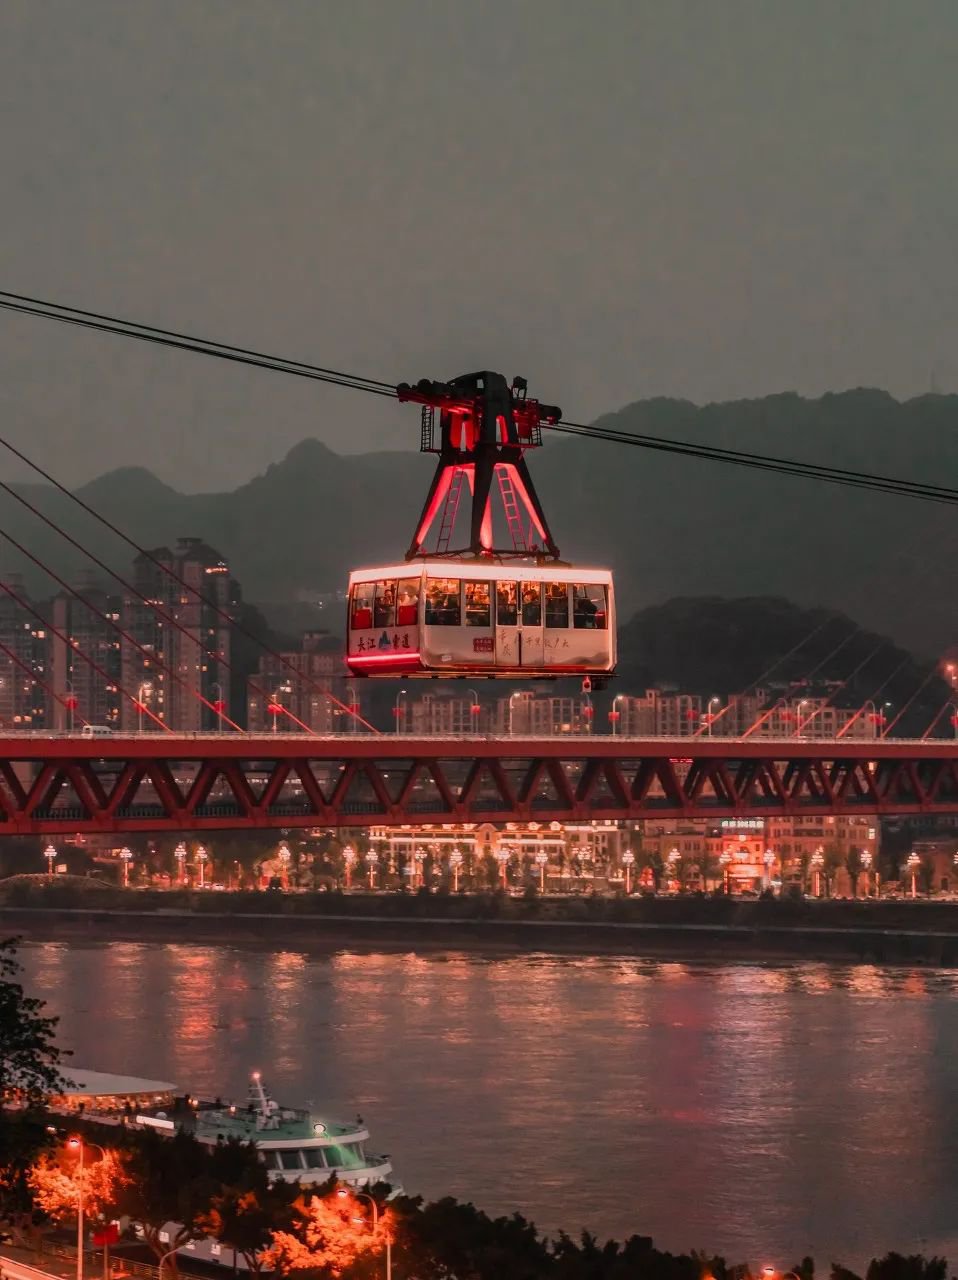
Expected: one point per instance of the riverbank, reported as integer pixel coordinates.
(702, 928)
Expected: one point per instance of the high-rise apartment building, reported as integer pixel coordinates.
(23, 660)
(84, 659)
(295, 691)
(192, 693)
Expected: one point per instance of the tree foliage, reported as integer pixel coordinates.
(29, 1057)
(330, 1232)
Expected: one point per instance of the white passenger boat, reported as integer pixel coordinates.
(295, 1145)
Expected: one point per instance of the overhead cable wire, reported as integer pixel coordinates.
(98, 321)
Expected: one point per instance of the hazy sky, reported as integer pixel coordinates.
(617, 198)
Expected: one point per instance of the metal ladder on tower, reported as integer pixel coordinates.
(450, 510)
(511, 509)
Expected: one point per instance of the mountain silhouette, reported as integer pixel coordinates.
(668, 526)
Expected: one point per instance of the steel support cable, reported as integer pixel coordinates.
(780, 702)
(201, 346)
(932, 671)
(150, 604)
(122, 632)
(98, 321)
(871, 699)
(37, 679)
(830, 700)
(181, 581)
(764, 462)
(25, 604)
(757, 684)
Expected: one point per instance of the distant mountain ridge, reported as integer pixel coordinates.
(668, 526)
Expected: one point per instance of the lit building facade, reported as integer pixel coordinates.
(23, 661)
(295, 691)
(79, 693)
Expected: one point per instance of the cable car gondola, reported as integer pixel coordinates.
(481, 610)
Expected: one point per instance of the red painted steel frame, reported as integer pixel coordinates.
(154, 783)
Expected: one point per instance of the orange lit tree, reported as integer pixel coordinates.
(57, 1181)
(330, 1233)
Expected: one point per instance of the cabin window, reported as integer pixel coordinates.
(407, 602)
(442, 602)
(506, 614)
(290, 1159)
(384, 613)
(314, 1158)
(557, 604)
(362, 616)
(478, 604)
(531, 604)
(589, 607)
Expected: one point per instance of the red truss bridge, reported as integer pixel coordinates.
(156, 782)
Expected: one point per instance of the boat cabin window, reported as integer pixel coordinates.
(314, 1158)
(557, 604)
(589, 610)
(506, 614)
(407, 602)
(442, 602)
(531, 604)
(362, 612)
(478, 604)
(290, 1158)
(384, 611)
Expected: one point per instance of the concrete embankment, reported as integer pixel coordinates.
(747, 937)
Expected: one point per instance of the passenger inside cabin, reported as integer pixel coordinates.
(477, 604)
(531, 604)
(506, 614)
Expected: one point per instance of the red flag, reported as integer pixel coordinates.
(108, 1234)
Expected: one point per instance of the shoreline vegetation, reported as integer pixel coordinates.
(863, 931)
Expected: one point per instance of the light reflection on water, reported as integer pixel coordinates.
(763, 1111)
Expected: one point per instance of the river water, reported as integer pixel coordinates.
(762, 1111)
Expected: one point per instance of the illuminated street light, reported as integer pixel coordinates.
(502, 857)
(769, 860)
(615, 715)
(475, 710)
(419, 860)
(913, 862)
(455, 862)
(818, 861)
(202, 857)
(372, 857)
(867, 866)
(542, 860)
(343, 1192)
(179, 853)
(51, 856)
(628, 860)
(399, 711)
(724, 859)
(708, 714)
(126, 854)
(79, 1145)
(349, 857)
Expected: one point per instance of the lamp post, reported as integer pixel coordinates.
(867, 867)
(708, 714)
(399, 711)
(512, 698)
(502, 857)
(343, 1192)
(179, 853)
(372, 857)
(954, 717)
(126, 855)
(143, 694)
(628, 861)
(818, 861)
(219, 706)
(587, 712)
(455, 862)
(51, 856)
(79, 1145)
(724, 859)
(419, 861)
(70, 702)
(542, 861)
(353, 707)
(202, 857)
(913, 862)
(349, 857)
(475, 710)
(769, 860)
(615, 715)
